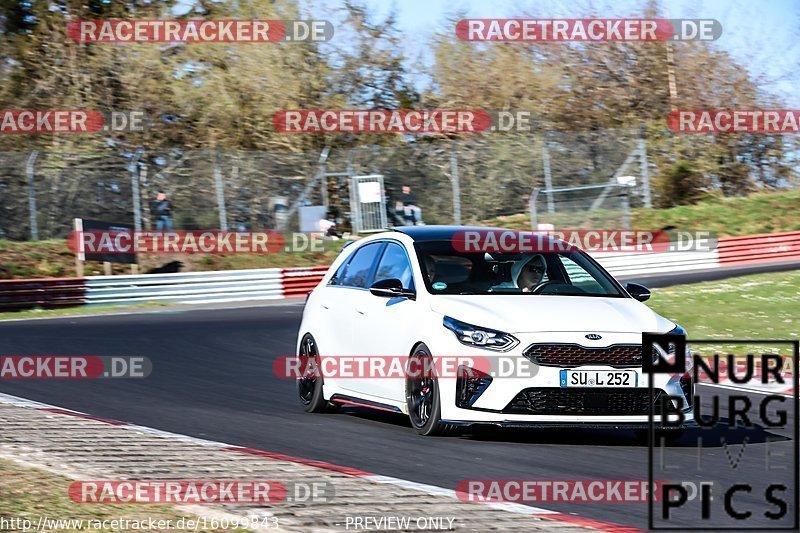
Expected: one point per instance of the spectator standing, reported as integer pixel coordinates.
(161, 210)
(411, 211)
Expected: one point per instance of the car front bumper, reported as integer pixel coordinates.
(519, 374)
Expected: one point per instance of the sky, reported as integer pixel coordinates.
(763, 35)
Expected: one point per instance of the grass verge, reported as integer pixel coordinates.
(761, 306)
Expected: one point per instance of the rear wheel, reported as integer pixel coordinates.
(309, 385)
(423, 398)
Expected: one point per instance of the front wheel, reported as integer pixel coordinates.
(423, 398)
(309, 385)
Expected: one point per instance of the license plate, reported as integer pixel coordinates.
(599, 378)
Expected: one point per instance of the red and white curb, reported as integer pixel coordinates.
(323, 465)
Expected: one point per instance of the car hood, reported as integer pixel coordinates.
(538, 313)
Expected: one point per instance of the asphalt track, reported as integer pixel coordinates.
(212, 378)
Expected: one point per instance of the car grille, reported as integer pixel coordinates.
(599, 401)
(572, 355)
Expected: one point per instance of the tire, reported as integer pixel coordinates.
(309, 389)
(424, 401)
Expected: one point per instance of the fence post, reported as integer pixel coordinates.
(323, 157)
(548, 177)
(456, 184)
(137, 202)
(532, 208)
(626, 208)
(223, 216)
(32, 195)
(646, 199)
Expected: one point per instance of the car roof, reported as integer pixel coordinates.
(445, 233)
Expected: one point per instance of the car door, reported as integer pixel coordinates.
(352, 287)
(386, 325)
(331, 321)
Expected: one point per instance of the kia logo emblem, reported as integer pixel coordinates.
(593, 337)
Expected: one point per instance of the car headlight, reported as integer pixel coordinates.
(670, 355)
(677, 331)
(479, 337)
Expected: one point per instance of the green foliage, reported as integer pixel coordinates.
(765, 212)
(204, 97)
(680, 184)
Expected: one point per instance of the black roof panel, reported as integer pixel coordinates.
(441, 233)
(431, 233)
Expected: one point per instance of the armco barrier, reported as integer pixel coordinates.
(204, 287)
(278, 283)
(754, 249)
(300, 281)
(17, 295)
(730, 252)
(644, 264)
(188, 287)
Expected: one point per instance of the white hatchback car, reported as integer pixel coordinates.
(411, 294)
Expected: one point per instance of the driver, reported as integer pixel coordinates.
(430, 267)
(527, 274)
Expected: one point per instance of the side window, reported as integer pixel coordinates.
(336, 279)
(356, 272)
(395, 264)
(580, 278)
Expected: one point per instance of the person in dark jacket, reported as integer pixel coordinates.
(161, 210)
(411, 211)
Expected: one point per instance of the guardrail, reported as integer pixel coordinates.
(204, 287)
(279, 283)
(300, 281)
(189, 287)
(21, 294)
(648, 263)
(754, 249)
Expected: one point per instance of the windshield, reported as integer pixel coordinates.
(571, 273)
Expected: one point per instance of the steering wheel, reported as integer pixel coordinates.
(540, 287)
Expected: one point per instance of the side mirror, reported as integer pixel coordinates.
(391, 288)
(639, 292)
